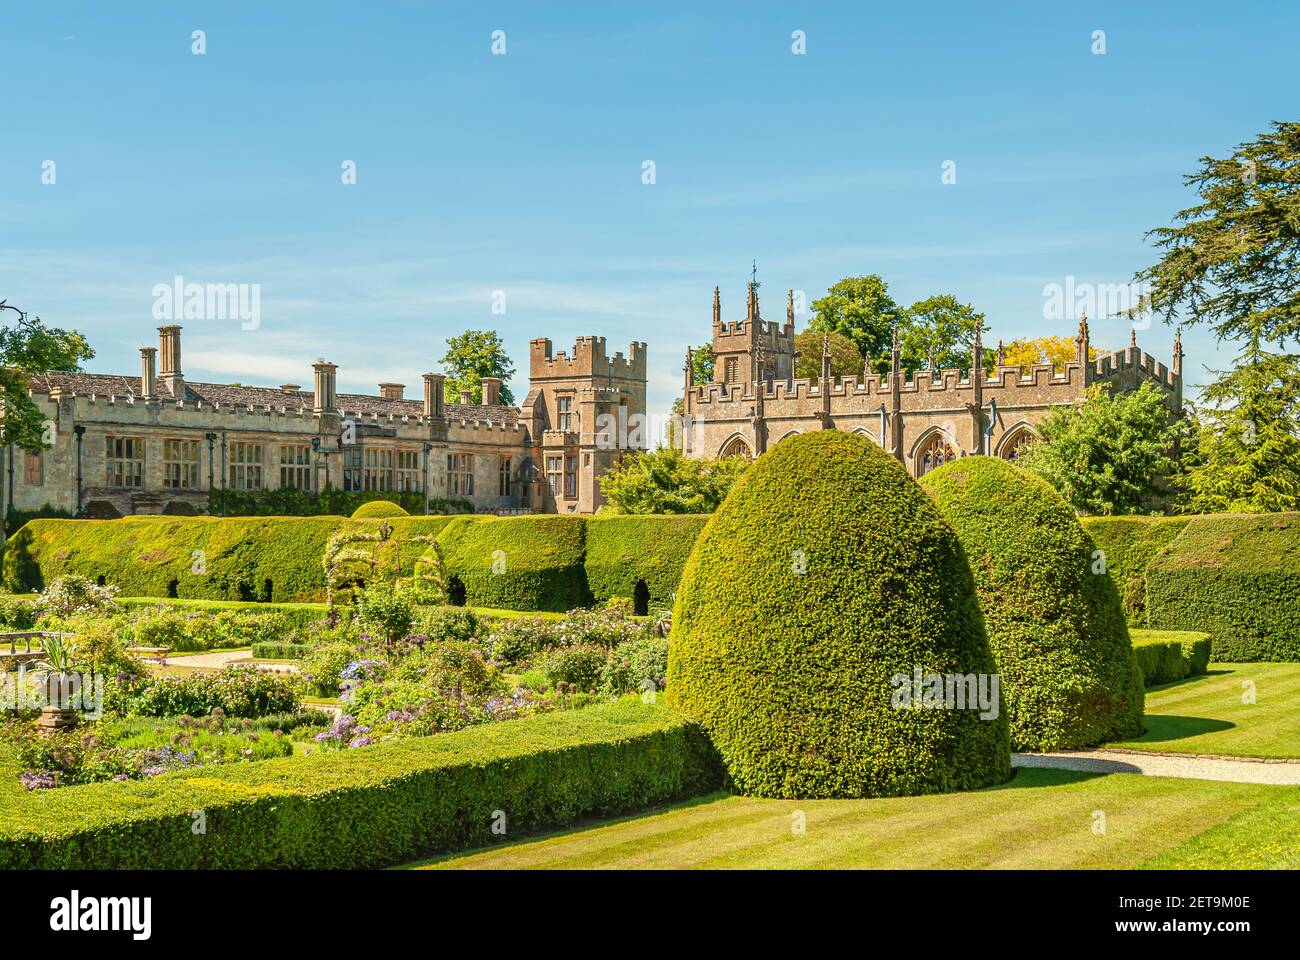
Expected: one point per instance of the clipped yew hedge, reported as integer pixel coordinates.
(517, 563)
(824, 576)
(1168, 655)
(625, 550)
(369, 807)
(1236, 577)
(1053, 617)
(545, 563)
(273, 559)
(1128, 544)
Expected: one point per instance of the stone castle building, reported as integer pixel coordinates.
(158, 443)
(935, 416)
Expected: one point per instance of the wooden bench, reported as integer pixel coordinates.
(159, 652)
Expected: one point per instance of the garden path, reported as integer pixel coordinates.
(1235, 770)
(218, 659)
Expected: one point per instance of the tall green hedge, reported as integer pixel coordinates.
(1053, 616)
(1168, 655)
(517, 563)
(369, 807)
(215, 558)
(550, 563)
(1236, 577)
(1128, 544)
(821, 585)
(622, 550)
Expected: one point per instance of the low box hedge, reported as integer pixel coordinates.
(623, 551)
(1168, 655)
(370, 807)
(1128, 544)
(1237, 577)
(280, 651)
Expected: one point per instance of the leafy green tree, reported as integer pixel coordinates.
(470, 357)
(1247, 451)
(667, 481)
(1232, 262)
(937, 334)
(702, 363)
(1108, 454)
(846, 359)
(861, 309)
(29, 347)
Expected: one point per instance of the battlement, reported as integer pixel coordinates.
(1137, 364)
(589, 359)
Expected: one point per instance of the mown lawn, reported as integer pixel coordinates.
(1210, 714)
(1042, 819)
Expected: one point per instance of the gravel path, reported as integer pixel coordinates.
(1282, 773)
(222, 658)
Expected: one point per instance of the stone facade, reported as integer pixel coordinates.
(924, 421)
(158, 443)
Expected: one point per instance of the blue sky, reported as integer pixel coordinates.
(523, 172)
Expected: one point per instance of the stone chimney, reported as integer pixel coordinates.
(491, 391)
(326, 400)
(148, 373)
(392, 391)
(290, 387)
(464, 396)
(434, 385)
(169, 358)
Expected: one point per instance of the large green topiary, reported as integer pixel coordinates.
(796, 675)
(378, 509)
(1052, 612)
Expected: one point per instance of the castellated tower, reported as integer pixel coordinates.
(752, 349)
(583, 412)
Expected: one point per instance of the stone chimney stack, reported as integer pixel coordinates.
(326, 399)
(148, 373)
(492, 391)
(464, 396)
(392, 391)
(434, 385)
(169, 357)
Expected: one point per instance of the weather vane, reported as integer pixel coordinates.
(753, 276)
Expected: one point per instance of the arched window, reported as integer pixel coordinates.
(1013, 445)
(934, 453)
(735, 447)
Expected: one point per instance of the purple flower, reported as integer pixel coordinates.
(360, 742)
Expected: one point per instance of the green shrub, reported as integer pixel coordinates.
(323, 666)
(1236, 577)
(1161, 661)
(377, 509)
(18, 613)
(1167, 655)
(623, 551)
(822, 582)
(451, 623)
(1054, 619)
(636, 666)
(161, 628)
(238, 691)
(383, 612)
(517, 563)
(290, 502)
(293, 616)
(280, 651)
(1127, 545)
(371, 807)
(579, 665)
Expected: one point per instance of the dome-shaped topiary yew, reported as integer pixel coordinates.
(378, 509)
(1053, 615)
(820, 605)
